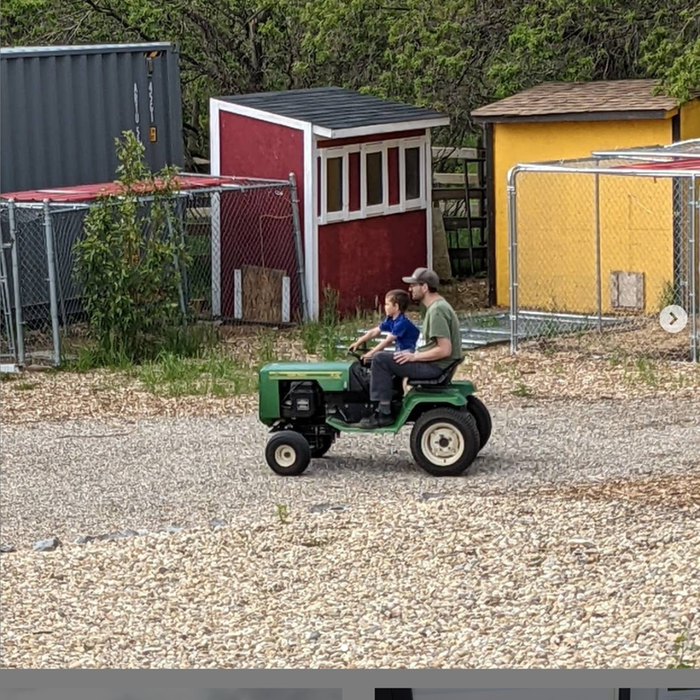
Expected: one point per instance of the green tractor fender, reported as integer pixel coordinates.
(415, 403)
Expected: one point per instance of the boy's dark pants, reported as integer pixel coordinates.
(385, 368)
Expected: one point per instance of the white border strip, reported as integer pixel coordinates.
(310, 222)
(382, 128)
(237, 294)
(259, 114)
(286, 299)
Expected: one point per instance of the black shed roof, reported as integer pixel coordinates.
(337, 109)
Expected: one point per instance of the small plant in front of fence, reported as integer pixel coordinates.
(129, 264)
(682, 647)
(522, 390)
(283, 513)
(667, 296)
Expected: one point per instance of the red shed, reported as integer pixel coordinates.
(363, 167)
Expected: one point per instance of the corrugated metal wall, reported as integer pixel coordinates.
(62, 107)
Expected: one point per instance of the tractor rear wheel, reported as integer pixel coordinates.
(445, 441)
(482, 417)
(288, 453)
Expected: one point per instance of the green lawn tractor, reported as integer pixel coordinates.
(307, 405)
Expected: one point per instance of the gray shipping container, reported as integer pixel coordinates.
(61, 107)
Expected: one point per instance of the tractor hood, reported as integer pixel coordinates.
(330, 377)
(281, 371)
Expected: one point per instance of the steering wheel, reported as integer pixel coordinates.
(359, 352)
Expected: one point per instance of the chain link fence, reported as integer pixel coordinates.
(243, 264)
(598, 249)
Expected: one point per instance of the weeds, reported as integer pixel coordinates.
(27, 386)
(645, 372)
(311, 336)
(486, 321)
(668, 296)
(681, 648)
(283, 513)
(323, 337)
(522, 390)
(214, 374)
(266, 347)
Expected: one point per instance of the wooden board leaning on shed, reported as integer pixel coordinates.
(262, 294)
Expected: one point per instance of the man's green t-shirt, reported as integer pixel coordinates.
(441, 321)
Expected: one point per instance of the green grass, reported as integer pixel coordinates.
(522, 390)
(310, 334)
(645, 372)
(211, 375)
(26, 386)
(485, 321)
(323, 337)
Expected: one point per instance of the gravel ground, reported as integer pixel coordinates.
(572, 542)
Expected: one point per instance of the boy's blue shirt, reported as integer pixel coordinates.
(403, 330)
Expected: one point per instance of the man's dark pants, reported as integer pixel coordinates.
(385, 368)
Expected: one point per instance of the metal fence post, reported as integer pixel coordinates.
(215, 254)
(178, 266)
(598, 291)
(513, 259)
(297, 245)
(19, 322)
(6, 303)
(51, 264)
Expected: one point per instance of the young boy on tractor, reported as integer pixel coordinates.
(397, 325)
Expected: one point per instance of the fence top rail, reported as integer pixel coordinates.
(187, 183)
(648, 154)
(649, 170)
(679, 149)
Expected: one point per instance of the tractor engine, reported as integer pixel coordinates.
(301, 400)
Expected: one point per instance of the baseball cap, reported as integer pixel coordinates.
(422, 275)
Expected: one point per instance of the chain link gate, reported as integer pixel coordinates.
(598, 248)
(242, 239)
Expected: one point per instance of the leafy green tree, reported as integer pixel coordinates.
(453, 55)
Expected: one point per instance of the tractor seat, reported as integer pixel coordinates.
(444, 379)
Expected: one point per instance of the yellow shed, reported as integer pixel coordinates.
(557, 121)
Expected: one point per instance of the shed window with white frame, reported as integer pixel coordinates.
(387, 177)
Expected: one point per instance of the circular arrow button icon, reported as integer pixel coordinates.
(673, 319)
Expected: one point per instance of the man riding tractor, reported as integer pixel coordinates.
(442, 348)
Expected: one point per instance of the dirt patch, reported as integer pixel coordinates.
(674, 491)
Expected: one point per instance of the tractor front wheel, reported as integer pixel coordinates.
(445, 441)
(288, 453)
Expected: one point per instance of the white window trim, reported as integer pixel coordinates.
(421, 201)
(666, 694)
(368, 149)
(326, 216)
(383, 209)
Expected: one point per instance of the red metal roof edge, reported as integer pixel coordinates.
(677, 164)
(88, 193)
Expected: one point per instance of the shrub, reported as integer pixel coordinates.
(129, 262)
